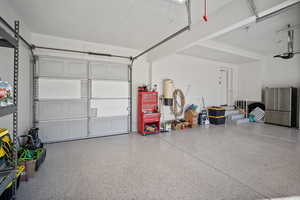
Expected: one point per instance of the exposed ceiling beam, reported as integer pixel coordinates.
(230, 49)
(280, 8)
(217, 26)
(202, 30)
(221, 32)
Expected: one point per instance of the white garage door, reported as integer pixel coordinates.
(109, 98)
(77, 99)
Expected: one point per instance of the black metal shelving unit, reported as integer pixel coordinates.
(7, 40)
(7, 110)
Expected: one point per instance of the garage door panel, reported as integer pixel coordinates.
(53, 131)
(75, 69)
(84, 88)
(108, 126)
(109, 71)
(110, 89)
(109, 99)
(50, 68)
(62, 68)
(51, 110)
(109, 107)
(59, 89)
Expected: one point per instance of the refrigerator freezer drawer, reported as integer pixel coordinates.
(277, 117)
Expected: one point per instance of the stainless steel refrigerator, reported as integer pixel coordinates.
(298, 120)
(281, 106)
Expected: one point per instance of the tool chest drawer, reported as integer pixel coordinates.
(151, 117)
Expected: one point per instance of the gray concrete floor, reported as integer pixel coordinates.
(249, 161)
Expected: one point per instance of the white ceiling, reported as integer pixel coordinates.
(216, 55)
(139, 24)
(262, 5)
(128, 23)
(263, 37)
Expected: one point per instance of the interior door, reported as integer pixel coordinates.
(223, 86)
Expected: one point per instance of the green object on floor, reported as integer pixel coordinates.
(26, 154)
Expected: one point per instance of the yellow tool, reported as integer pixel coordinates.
(5, 144)
(3, 132)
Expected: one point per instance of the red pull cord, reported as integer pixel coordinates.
(205, 18)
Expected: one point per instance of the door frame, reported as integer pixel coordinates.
(229, 84)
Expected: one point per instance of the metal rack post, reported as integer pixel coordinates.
(34, 90)
(15, 101)
(89, 98)
(131, 96)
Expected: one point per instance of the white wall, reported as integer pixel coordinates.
(6, 72)
(269, 72)
(279, 72)
(196, 77)
(140, 68)
(250, 81)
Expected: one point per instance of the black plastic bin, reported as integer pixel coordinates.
(216, 111)
(217, 120)
(40, 160)
(7, 194)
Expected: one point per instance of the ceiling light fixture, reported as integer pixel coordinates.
(178, 1)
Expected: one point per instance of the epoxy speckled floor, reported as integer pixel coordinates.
(249, 161)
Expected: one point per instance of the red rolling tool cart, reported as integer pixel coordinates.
(148, 115)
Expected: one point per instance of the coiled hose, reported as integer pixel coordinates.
(178, 106)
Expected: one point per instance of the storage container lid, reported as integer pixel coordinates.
(216, 108)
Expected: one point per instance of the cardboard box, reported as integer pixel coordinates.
(180, 125)
(191, 116)
(176, 126)
(23, 177)
(30, 168)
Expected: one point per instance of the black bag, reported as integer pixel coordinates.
(33, 141)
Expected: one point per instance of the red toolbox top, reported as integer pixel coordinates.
(148, 102)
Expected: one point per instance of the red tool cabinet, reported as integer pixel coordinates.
(148, 115)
